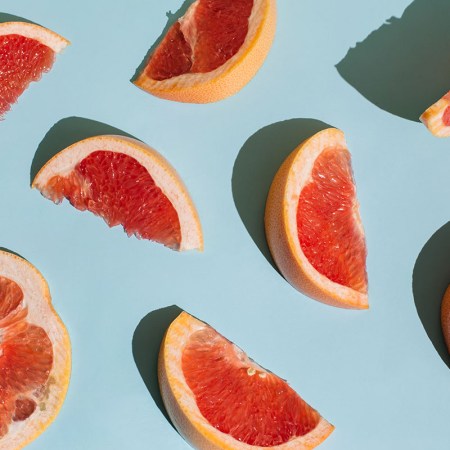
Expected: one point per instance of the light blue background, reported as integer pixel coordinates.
(375, 375)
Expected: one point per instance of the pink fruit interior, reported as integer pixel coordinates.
(22, 60)
(240, 398)
(119, 189)
(210, 38)
(327, 220)
(26, 358)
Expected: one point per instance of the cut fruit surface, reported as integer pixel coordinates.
(212, 51)
(437, 117)
(126, 183)
(445, 317)
(35, 355)
(218, 398)
(313, 226)
(26, 52)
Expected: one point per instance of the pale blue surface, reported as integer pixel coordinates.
(375, 375)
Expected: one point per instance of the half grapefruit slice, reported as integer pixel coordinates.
(212, 52)
(218, 398)
(437, 117)
(26, 52)
(35, 357)
(126, 183)
(313, 226)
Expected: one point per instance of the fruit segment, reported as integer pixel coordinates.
(445, 317)
(313, 225)
(126, 183)
(437, 117)
(211, 52)
(218, 398)
(27, 51)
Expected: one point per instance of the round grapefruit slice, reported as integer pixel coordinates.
(35, 357)
(126, 183)
(437, 117)
(218, 398)
(26, 52)
(212, 52)
(313, 226)
(445, 317)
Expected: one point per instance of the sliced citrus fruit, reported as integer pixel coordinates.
(445, 317)
(125, 182)
(313, 226)
(437, 117)
(212, 52)
(35, 357)
(218, 398)
(26, 52)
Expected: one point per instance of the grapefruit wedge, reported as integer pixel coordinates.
(35, 357)
(218, 398)
(437, 117)
(126, 183)
(212, 52)
(445, 317)
(313, 226)
(26, 52)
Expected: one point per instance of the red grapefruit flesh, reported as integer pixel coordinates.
(22, 60)
(437, 117)
(250, 404)
(329, 235)
(218, 398)
(213, 35)
(117, 188)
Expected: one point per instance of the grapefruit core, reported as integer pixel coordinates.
(211, 52)
(313, 226)
(218, 398)
(26, 52)
(125, 182)
(35, 355)
(437, 117)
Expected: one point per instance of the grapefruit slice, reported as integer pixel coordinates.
(437, 117)
(212, 52)
(35, 357)
(313, 226)
(125, 182)
(26, 52)
(445, 317)
(218, 398)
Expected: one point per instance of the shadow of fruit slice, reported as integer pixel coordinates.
(211, 52)
(26, 52)
(218, 398)
(35, 356)
(437, 117)
(126, 183)
(313, 226)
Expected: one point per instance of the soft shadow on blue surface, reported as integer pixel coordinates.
(431, 278)
(171, 19)
(66, 132)
(146, 342)
(255, 167)
(4, 17)
(404, 66)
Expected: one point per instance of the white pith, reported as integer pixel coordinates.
(177, 337)
(299, 177)
(36, 300)
(164, 176)
(432, 118)
(45, 36)
(191, 79)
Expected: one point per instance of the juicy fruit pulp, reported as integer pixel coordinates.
(202, 42)
(327, 221)
(26, 358)
(22, 60)
(240, 398)
(119, 189)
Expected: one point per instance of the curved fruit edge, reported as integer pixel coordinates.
(432, 117)
(288, 255)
